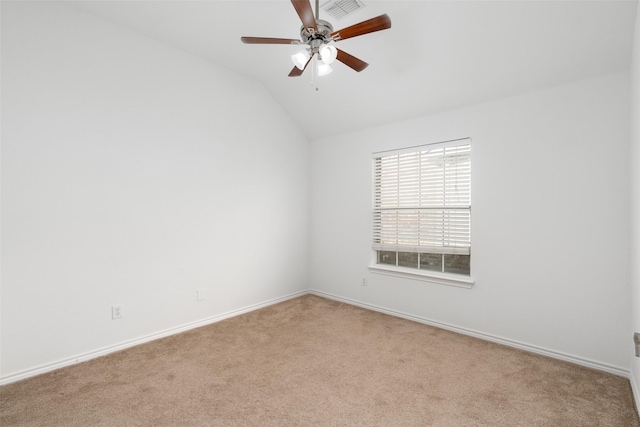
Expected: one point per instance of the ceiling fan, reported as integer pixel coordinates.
(318, 34)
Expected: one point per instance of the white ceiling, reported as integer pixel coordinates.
(437, 55)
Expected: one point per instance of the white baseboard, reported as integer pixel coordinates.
(131, 343)
(488, 337)
(635, 391)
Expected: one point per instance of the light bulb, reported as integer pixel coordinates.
(328, 54)
(300, 59)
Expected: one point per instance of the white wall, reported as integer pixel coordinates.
(550, 221)
(635, 202)
(133, 174)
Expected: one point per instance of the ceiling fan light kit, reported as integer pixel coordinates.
(318, 34)
(301, 58)
(328, 54)
(323, 69)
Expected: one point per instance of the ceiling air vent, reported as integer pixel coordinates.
(338, 9)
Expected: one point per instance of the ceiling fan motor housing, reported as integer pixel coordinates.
(315, 39)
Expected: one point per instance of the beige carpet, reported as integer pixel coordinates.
(316, 362)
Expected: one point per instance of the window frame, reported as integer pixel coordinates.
(443, 278)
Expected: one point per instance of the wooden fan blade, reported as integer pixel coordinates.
(297, 72)
(351, 61)
(303, 7)
(378, 23)
(268, 40)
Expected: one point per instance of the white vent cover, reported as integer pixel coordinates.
(338, 9)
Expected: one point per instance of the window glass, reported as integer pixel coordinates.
(386, 257)
(431, 262)
(408, 259)
(458, 264)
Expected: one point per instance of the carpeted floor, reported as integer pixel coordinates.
(316, 362)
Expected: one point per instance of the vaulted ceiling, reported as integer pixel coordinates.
(437, 55)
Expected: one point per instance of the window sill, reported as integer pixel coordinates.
(427, 276)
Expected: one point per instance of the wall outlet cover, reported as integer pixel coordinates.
(116, 311)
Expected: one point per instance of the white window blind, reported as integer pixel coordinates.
(422, 199)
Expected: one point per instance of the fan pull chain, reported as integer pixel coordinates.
(314, 70)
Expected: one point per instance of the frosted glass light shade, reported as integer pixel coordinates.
(300, 59)
(328, 54)
(323, 69)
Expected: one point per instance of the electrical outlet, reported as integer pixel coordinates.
(364, 281)
(201, 294)
(116, 311)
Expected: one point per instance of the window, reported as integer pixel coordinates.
(422, 211)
